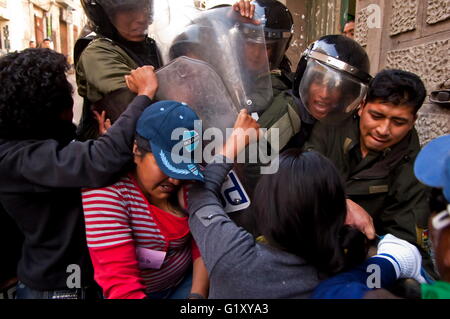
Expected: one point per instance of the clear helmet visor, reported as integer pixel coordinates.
(230, 44)
(131, 18)
(329, 94)
(275, 51)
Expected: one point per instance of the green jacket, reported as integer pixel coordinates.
(437, 290)
(102, 68)
(100, 73)
(382, 183)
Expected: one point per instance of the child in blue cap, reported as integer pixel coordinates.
(137, 233)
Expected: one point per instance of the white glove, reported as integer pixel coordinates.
(407, 260)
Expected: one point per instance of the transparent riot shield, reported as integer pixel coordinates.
(197, 84)
(233, 46)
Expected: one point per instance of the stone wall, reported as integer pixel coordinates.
(312, 19)
(414, 36)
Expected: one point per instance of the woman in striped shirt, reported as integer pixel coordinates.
(137, 233)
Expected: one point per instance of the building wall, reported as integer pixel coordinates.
(412, 35)
(19, 16)
(313, 19)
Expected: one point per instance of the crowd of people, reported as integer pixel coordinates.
(124, 201)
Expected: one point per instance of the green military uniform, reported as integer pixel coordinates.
(100, 74)
(102, 68)
(286, 114)
(100, 71)
(383, 183)
(294, 125)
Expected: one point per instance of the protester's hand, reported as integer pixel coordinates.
(103, 123)
(245, 131)
(143, 81)
(358, 218)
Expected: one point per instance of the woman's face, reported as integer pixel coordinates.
(132, 24)
(152, 180)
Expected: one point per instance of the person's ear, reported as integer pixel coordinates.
(137, 154)
(135, 149)
(361, 107)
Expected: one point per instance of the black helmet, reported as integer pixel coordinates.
(278, 28)
(335, 63)
(100, 12)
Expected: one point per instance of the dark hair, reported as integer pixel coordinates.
(397, 87)
(302, 209)
(142, 144)
(34, 92)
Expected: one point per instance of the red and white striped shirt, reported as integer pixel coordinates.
(118, 220)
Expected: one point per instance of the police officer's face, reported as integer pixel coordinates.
(255, 56)
(132, 24)
(384, 125)
(322, 99)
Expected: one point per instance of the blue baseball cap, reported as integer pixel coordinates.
(432, 165)
(175, 157)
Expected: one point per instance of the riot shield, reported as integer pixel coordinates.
(197, 84)
(233, 46)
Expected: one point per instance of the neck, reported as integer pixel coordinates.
(160, 203)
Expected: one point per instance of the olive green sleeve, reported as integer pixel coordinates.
(282, 116)
(104, 66)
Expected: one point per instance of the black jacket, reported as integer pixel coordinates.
(40, 189)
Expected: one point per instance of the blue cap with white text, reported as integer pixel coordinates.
(169, 128)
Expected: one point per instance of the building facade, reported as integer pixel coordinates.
(413, 35)
(22, 21)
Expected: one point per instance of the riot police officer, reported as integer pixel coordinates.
(278, 25)
(119, 45)
(330, 82)
(278, 28)
(330, 67)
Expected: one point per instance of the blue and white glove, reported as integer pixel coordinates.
(404, 256)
